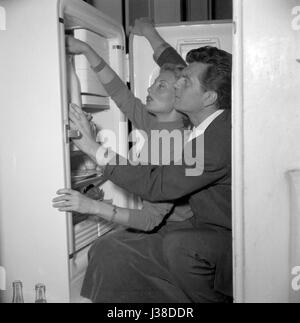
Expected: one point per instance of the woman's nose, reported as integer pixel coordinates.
(150, 88)
(177, 85)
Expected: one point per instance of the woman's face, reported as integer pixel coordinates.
(161, 98)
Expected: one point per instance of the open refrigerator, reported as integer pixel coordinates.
(37, 243)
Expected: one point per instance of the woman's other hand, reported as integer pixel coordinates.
(143, 27)
(73, 201)
(75, 46)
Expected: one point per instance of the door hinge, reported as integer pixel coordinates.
(118, 47)
(234, 27)
(127, 68)
(71, 134)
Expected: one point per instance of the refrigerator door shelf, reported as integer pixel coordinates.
(94, 102)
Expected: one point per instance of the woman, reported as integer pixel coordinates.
(158, 114)
(145, 274)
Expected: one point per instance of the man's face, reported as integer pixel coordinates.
(190, 93)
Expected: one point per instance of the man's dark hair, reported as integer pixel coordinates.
(218, 75)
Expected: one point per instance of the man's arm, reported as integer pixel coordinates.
(131, 106)
(161, 183)
(169, 183)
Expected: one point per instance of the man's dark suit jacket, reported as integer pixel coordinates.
(209, 194)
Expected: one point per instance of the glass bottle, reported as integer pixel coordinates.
(40, 293)
(18, 292)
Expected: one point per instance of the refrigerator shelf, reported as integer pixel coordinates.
(96, 181)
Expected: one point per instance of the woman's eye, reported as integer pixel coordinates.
(186, 82)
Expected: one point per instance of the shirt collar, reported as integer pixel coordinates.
(198, 131)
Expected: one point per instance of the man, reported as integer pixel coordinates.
(199, 258)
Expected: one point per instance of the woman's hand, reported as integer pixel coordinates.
(73, 201)
(143, 27)
(76, 46)
(79, 121)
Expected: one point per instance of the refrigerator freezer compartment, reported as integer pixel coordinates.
(93, 94)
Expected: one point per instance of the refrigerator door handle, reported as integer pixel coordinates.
(71, 134)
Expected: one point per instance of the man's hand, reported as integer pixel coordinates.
(79, 121)
(73, 201)
(143, 27)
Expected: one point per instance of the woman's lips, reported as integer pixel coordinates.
(149, 99)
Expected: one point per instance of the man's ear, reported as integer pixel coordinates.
(210, 98)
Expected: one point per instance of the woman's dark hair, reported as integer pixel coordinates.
(218, 75)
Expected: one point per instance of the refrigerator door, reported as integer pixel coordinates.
(143, 69)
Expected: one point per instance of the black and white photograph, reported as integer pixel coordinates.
(150, 154)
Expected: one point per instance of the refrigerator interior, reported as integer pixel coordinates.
(142, 73)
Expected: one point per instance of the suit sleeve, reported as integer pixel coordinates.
(167, 54)
(172, 182)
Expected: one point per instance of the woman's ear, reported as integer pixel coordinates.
(210, 98)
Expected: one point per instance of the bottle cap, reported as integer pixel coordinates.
(17, 282)
(39, 285)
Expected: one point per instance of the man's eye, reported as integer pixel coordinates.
(184, 81)
(161, 86)
(187, 82)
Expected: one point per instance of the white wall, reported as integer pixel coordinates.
(269, 131)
